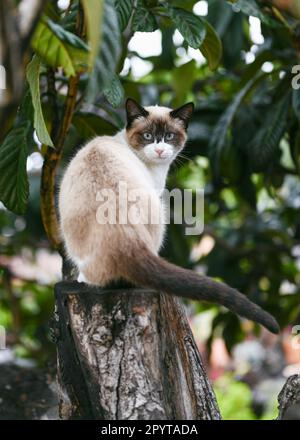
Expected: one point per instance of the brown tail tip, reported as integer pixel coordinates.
(272, 325)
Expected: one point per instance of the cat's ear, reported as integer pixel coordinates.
(184, 113)
(134, 110)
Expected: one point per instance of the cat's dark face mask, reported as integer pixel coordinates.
(157, 134)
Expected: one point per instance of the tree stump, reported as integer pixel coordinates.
(128, 354)
(289, 399)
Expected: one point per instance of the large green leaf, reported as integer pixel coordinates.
(114, 91)
(14, 187)
(219, 135)
(230, 163)
(93, 13)
(33, 78)
(266, 141)
(56, 52)
(211, 47)
(124, 9)
(143, 20)
(229, 28)
(191, 27)
(109, 53)
(219, 16)
(19, 142)
(234, 40)
(188, 71)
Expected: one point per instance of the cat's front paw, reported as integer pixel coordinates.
(81, 278)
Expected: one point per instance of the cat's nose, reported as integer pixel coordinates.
(159, 151)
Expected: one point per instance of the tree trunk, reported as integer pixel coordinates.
(128, 354)
(289, 399)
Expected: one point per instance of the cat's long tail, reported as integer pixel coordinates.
(147, 270)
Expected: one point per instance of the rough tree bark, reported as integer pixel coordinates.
(289, 399)
(128, 354)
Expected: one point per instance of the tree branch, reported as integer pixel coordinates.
(51, 162)
(53, 156)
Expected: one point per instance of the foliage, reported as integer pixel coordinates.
(244, 137)
(33, 78)
(236, 401)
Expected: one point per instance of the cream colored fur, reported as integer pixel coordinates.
(140, 157)
(102, 163)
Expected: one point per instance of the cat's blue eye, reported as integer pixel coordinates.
(147, 136)
(169, 136)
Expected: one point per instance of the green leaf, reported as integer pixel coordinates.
(234, 40)
(264, 144)
(191, 27)
(93, 14)
(19, 142)
(230, 163)
(211, 47)
(124, 10)
(66, 36)
(109, 53)
(55, 52)
(114, 92)
(33, 78)
(188, 71)
(14, 186)
(143, 20)
(296, 103)
(220, 15)
(250, 7)
(219, 135)
(89, 125)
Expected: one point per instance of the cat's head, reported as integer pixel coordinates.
(157, 134)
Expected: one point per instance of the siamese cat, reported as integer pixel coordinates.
(139, 155)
